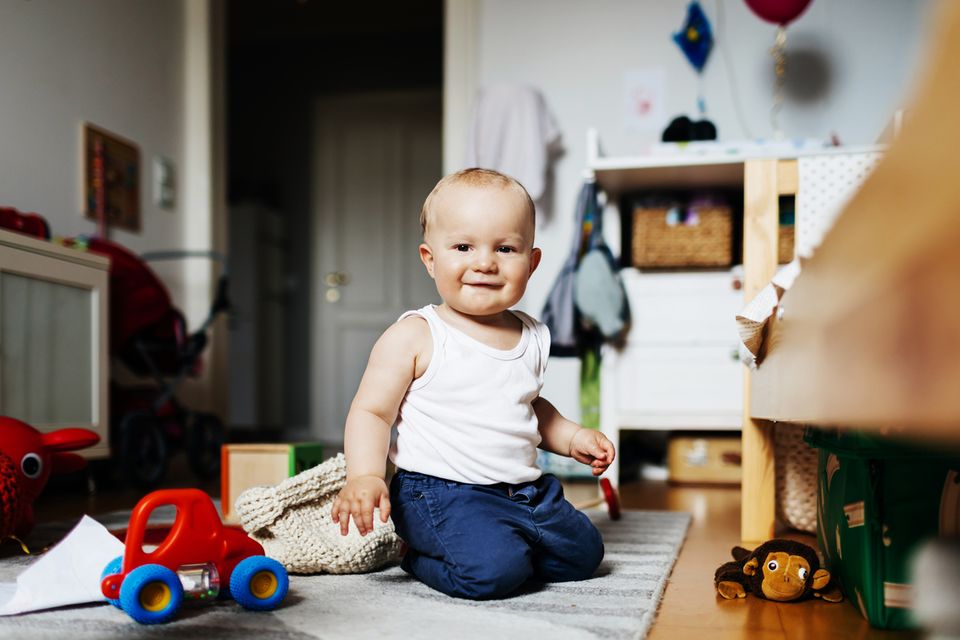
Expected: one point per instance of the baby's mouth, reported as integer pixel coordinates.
(484, 285)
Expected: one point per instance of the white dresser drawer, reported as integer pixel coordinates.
(674, 387)
(682, 308)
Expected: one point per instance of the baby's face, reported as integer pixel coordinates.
(478, 248)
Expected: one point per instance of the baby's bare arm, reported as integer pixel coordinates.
(556, 432)
(567, 438)
(396, 359)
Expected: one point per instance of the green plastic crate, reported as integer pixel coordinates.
(879, 499)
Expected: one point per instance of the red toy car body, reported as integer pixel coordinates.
(194, 558)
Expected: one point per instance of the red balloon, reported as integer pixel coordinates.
(779, 12)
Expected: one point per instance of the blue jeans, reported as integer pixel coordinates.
(485, 541)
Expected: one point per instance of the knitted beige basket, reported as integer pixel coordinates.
(796, 471)
(292, 522)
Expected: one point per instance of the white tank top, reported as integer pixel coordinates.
(470, 416)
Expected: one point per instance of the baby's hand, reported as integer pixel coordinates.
(358, 498)
(593, 448)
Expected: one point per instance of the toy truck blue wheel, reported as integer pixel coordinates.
(114, 566)
(151, 594)
(259, 583)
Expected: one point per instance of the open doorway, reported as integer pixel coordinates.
(285, 59)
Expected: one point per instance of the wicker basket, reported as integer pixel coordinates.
(785, 240)
(796, 471)
(656, 243)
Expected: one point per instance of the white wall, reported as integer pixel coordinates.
(139, 68)
(116, 63)
(576, 54)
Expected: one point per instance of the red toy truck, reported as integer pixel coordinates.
(192, 560)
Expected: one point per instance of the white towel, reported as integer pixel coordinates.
(514, 133)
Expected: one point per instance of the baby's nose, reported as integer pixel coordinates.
(485, 261)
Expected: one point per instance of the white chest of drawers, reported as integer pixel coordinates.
(679, 368)
(53, 337)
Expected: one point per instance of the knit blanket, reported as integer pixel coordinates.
(292, 522)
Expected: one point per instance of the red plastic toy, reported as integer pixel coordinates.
(27, 458)
(32, 224)
(610, 497)
(194, 558)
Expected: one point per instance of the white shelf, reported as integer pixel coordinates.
(617, 175)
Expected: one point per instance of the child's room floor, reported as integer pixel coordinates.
(690, 607)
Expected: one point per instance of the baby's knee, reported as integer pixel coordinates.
(590, 556)
(495, 579)
(578, 558)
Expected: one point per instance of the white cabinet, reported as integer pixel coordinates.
(679, 368)
(53, 337)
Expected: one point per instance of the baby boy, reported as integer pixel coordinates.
(461, 381)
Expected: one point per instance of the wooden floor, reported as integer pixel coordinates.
(690, 607)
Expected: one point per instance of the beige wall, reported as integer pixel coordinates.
(140, 68)
(577, 52)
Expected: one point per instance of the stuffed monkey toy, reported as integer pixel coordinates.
(781, 570)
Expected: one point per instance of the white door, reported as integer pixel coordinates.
(375, 159)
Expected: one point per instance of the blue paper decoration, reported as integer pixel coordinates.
(695, 38)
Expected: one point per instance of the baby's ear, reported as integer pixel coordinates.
(535, 255)
(426, 257)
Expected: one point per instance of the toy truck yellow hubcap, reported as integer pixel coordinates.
(263, 584)
(155, 596)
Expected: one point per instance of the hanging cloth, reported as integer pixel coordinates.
(587, 304)
(514, 133)
(598, 290)
(560, 312)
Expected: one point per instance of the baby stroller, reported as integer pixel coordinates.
(149, 337)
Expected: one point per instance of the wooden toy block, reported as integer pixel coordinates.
(256, 465)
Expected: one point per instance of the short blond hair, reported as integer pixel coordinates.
(474, 177)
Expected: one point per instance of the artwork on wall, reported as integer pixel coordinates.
(111, 179)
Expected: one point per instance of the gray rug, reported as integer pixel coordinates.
(619, 602)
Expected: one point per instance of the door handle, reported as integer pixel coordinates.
(333, 280)
(336, 278)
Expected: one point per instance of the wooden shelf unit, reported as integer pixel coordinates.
(762, 181)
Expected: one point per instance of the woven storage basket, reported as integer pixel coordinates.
(705, 244)
(796, 471)
(785, 240)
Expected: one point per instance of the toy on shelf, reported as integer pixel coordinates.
(27, 458)
(196, 556)
(31, 224)
(781, 570)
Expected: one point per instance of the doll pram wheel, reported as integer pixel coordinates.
(204, 438)
(143, 449)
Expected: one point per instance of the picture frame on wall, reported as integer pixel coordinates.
(111, 179)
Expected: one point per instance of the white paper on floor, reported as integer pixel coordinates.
(67, 574)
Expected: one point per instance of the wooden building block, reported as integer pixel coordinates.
(256, 465)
